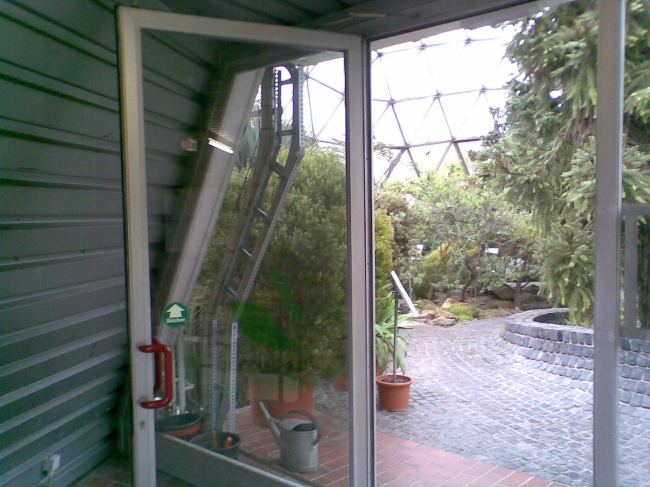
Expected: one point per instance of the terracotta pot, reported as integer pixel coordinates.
(280, 394)
(394, 396)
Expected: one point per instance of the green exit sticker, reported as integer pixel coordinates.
(175, 314)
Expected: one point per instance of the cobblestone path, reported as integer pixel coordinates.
(474, 397)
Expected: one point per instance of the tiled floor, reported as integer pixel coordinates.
(400, 463)
(116, 472)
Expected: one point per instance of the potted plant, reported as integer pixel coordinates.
(282, 353)
(385, 334)
(393, 388)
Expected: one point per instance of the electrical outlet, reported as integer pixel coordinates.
(190, 144)
(52, 464)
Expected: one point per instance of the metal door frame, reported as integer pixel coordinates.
(131, 21)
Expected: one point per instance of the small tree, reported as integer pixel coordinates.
(457, 220)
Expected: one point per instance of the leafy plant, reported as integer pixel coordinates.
(457, 218)
(385, 334)
(302, 285)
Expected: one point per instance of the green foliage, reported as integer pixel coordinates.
(385, 334)
(541, 155)
(464, 312)
(384, 236)
(302, 285)
(456, 218)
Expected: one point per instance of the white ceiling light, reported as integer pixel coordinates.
(220, 145)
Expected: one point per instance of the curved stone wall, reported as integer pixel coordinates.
(567, 351)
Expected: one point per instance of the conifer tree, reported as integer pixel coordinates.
(541, 154)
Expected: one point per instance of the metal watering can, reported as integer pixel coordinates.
(298, 440)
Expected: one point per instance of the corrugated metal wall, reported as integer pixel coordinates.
(63, 331)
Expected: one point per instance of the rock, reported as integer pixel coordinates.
(531, 288)
(427, 314)
(504, 292)
(449, 302)
(425, 304)
(444, 322)
(446, 314)
(454, 294)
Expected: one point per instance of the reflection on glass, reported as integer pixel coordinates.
(268, 328)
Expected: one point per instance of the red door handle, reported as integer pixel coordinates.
(160, 348)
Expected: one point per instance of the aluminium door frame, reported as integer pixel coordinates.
(130, 23)
(607, 245)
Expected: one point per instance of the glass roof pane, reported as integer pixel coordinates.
(457, 109)
(479, 121)
(387, 131)
(379, 81)
(329, 73)
(452, 66)
(408, 65)
(379, 109)
(426, 95)
(430, 128)
(320, 105)
(411, 114)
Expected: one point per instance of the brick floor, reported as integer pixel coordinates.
(400, 462)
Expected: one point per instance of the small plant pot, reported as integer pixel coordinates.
(394, 396)
(206, 441)
(183, 425)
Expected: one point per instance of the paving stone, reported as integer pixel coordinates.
(626, 371)
(480, 396)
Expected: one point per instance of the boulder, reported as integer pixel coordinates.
(449, 302)
(425, 315)
(444, 322)
(454, 294)
(504, 292)
(446, 314)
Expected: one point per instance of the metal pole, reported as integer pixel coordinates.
(395, 338)
(361, 262)
(609, 129)
(180, 366)
(631, 270)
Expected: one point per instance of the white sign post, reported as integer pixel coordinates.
(405, 296)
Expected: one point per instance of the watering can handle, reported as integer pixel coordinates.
(313, 420)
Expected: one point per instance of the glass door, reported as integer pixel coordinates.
(248, 253)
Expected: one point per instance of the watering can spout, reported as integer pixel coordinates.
(271, 421)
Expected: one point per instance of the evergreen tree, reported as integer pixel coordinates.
(541, 155)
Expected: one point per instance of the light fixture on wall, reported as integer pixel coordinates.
(220, 145)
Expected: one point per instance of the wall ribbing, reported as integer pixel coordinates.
(63, 331)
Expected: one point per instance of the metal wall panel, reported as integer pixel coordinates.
(63, 332)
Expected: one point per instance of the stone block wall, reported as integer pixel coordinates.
(568, 351)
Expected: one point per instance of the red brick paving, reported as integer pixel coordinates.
(400, 463)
